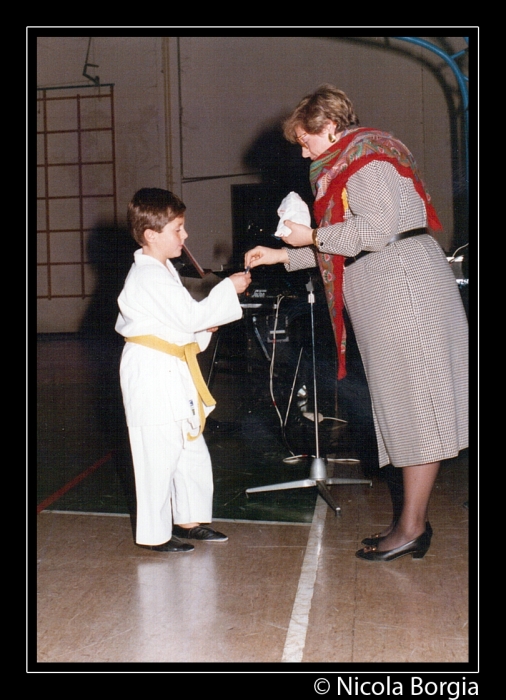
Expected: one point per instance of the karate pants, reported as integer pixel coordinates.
(173, 480)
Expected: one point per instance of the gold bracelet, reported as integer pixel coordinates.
(316, 242)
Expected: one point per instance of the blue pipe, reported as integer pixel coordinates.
(449, 59)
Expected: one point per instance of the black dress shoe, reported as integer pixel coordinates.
(173, 545)
(374, 540)
(199, 532)
(417, 548)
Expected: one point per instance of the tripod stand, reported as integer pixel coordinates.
(318, 473)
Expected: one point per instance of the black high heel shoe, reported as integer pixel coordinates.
(374, 540)
(417, 548)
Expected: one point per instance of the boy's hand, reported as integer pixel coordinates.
(213, 329)
(241, 281)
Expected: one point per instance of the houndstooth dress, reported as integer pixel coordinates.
(407, 315)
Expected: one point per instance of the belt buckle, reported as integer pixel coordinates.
(350, 260)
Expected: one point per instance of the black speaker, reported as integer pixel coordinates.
(255, 218)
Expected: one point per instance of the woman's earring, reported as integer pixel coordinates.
(332, 138)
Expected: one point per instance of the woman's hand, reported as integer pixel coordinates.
(300, 235)
(265, 256)
(241, 281)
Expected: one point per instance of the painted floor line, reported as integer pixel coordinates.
(69, 485)
(297, 629)
(85, 512)
(215, 520)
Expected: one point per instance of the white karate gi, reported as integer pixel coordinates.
(173, 476)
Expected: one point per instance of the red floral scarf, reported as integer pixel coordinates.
(329, 175)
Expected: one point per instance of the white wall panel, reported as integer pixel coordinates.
(233, 89)
(189, 110)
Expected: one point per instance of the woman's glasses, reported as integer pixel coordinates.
(301, 140)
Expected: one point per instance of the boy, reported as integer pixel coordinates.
(165, 398)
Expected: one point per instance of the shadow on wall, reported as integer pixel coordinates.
(279, 162)
(110, 253)
(254, 206)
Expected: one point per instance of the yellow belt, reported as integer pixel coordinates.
(186, 353)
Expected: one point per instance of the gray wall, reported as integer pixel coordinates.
(190, 111)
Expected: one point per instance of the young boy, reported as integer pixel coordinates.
(165, 397)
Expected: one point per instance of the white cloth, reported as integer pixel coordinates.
(292, 208)
(173, 476)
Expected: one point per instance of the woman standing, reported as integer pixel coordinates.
(374, 251)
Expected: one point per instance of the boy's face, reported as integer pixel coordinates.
(168, 243)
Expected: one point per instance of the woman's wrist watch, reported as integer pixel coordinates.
(316, 242)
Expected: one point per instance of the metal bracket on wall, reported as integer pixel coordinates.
(95, 80)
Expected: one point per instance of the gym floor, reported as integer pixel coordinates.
(286, 587)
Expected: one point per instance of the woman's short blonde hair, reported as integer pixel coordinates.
(315, 110)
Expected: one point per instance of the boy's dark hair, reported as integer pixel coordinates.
(152, 208)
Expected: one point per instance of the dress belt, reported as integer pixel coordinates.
(394, 239)
(187, 353)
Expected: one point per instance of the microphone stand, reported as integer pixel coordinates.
(318, 473)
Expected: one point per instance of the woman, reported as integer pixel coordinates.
(373, 248)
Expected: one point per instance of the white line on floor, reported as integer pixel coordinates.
(215, 520)
(297, 629)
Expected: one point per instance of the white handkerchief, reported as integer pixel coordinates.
(293, 208)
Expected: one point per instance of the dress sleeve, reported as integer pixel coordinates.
(301, 258)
